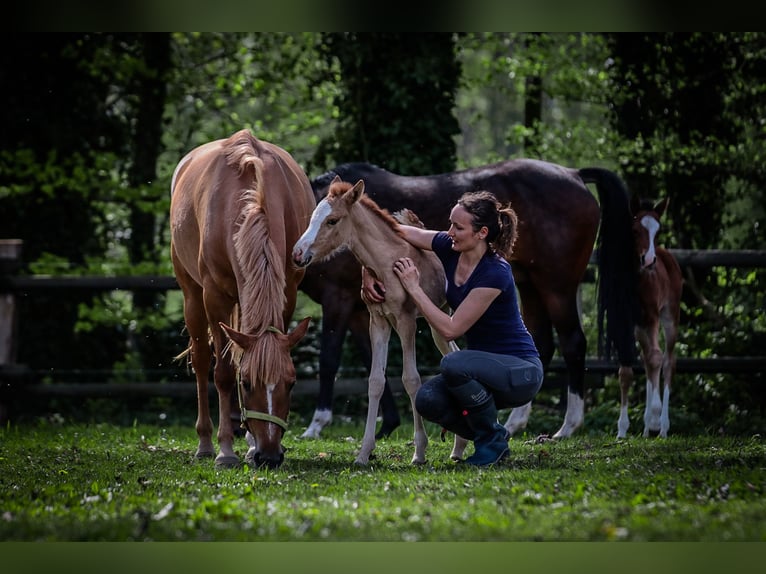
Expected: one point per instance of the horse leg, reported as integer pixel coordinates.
(380, 333)
(539, 326)
(459, 443)
(334, 325)
(200, 357)
(648, 339)
(360, 331)
(406, 327)
(625, 375)
(219, 307)
(670, 326)
(565, 315)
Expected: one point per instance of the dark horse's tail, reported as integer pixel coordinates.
(617, 282)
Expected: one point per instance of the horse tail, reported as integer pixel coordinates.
(617, 273)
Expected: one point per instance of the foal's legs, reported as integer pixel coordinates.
(625, 375)
(359, 327)
(406, 328)
(669, 318)
(380, 333)
(648, 339)
(459, 443)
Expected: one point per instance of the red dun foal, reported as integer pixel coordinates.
(659, 291)
(346, 217)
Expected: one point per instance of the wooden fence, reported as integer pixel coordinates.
(11, 374)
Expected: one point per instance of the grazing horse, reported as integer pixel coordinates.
(660, 283)
(347, 218)
(560, 222)
(237, 206)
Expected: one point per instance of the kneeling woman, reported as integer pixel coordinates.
(501, 366)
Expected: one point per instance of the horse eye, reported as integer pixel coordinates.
(332, 222)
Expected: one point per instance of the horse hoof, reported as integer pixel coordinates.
(364, 461)
(231, 461)
(204, 454)
(310, 433)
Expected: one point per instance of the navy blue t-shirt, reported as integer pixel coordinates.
(500, 329)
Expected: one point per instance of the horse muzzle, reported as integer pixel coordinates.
(302, 259)
(256, 459)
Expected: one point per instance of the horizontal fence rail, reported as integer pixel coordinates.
(358, 385)
(11, 284)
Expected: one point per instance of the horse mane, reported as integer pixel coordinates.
(339, 188)
(262, 297)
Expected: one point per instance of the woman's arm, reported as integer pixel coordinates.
(417, 236)
(452, 326)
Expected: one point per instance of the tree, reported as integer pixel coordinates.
(57, 151)
(396, 104)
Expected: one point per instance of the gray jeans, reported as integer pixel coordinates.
(512, 382)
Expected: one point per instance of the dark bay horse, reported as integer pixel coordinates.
(560, 223)
(660, 285)
(346, 217)
(237, 206)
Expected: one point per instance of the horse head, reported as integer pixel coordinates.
(265, 382)
(329, 228)
(646, 224)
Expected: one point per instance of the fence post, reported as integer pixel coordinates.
(10, 261)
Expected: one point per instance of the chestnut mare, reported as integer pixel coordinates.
(660, 283)
(237, 206)
(347, 218)
(560, 223)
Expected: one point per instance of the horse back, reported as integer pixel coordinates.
(213, 187)
(203, 211)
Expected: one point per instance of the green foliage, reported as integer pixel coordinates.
(393, 115)
(677, 114)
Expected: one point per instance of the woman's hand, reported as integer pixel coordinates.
(373, 290)
(407, 273)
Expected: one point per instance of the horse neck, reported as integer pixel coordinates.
(373, 241)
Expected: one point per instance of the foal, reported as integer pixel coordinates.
(348, 218)
(660, 283)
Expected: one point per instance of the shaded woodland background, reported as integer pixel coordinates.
(93, 125)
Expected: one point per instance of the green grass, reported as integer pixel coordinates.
(102, 482)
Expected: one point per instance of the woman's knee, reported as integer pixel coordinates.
(432, 399)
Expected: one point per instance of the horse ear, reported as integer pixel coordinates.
(336, 179)
(298, 333)
(661, 206)
(240, 339)
(356, 191)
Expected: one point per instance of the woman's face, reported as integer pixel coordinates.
(464, 238)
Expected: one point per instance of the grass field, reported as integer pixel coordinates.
(62, 481)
